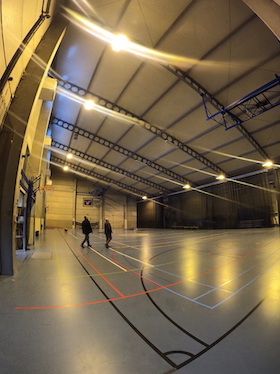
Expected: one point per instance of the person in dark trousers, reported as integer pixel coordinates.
(86, 228)
(108, 232)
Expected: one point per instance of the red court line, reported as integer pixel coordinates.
(98, 272)
(90, 302)
(144, 292)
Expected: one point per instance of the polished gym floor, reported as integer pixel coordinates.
(156, 302)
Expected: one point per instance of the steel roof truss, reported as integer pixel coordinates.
(152, 128)
(106, 165)
(117, 148)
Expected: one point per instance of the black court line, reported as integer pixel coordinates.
(164, 355)
(161, 354)
(194, 356)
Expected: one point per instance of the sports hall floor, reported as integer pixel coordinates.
(156, 302)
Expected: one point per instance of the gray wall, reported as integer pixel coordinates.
(250, 202)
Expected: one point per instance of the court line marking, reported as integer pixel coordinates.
(161, 287)
(168, 289)
(132, 258)
(102, 276)
(73, 235)
(57, 261)
(107, 259)
(251, 268)
(157, 245)
(137, 294)
(219, 287)
(123, 254)
(215, 288)
(247, 284)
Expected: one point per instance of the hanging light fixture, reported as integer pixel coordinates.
(119, 42)
(267, 164)
(89, 104)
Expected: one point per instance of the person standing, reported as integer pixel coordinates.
(108, 232)
(86, 228)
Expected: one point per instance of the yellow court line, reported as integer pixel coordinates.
(57, 260)
(89, 275)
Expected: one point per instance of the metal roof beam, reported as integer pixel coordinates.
(216, 104)
(117, 148)
(79, 169)
(151, 128)
(106, 165)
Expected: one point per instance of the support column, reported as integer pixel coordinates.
(74, 205)
(101, 213)
(15, 136)
(125, 213)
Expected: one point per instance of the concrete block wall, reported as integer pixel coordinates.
(65, 203)
(60, 202)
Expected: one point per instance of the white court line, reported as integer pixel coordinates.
(72, 235)
(132, 258)
(106, 258)
(247, 284)
(195, 300)
(239, 276)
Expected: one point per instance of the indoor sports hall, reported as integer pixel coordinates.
(139, 186)
(156, 301)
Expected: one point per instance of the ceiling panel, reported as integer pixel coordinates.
(145, 88)
(184, 49)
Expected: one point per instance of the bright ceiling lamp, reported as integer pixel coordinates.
(65, 168)
(119, 42)
(69, 155)
(89, 104)
(187, 186)
(144, 198)
(220, 177)
(267, 164)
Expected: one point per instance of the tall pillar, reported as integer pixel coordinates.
(15, 137)
(74, 205)
(125, 212)
(101, 213)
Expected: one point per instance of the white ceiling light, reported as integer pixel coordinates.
(89, 104)
(119, 42)
(267, 164)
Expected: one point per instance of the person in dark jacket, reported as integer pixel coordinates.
(108, 232)
(86, 228)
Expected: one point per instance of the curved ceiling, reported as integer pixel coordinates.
(147, 133)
